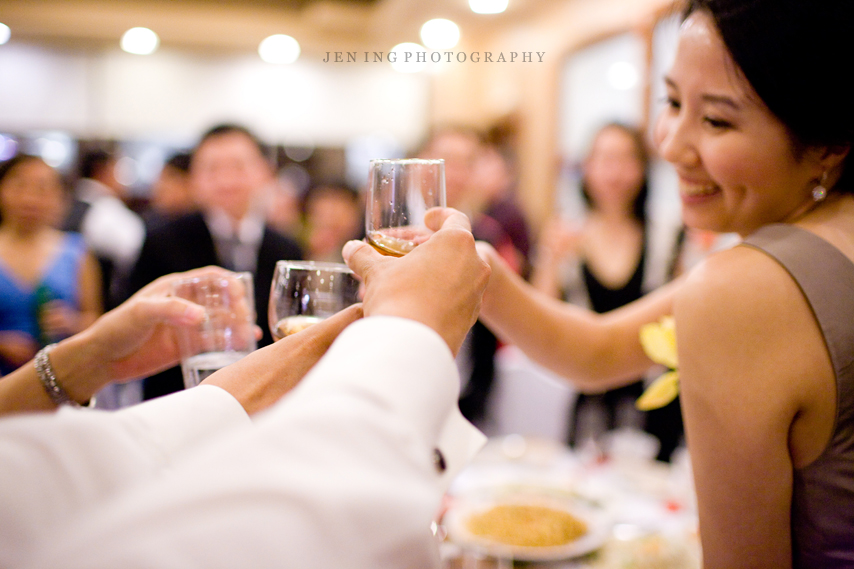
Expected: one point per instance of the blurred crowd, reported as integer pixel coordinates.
(71, 249)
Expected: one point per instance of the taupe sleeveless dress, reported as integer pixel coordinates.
(823, 493)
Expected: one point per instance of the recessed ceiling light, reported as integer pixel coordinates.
(409, 57)
(440, 34)
(5, 33)
(279, 49)
(140, 41)
(488, 6)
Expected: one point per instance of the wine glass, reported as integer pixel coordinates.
(305, 292)
(400, 193)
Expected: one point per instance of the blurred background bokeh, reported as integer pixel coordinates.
(66, 84)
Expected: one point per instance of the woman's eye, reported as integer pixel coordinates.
(718, 123)
(672, 103)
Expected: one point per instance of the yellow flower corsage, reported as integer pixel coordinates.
(659, 342)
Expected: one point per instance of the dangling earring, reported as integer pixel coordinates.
(820, 192)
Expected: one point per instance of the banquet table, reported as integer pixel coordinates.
(643, 511)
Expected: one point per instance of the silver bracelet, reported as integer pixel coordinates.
(48, 378)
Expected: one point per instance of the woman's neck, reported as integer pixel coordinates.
(614, 216)
(20, 233)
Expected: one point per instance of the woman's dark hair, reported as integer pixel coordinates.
(794, 53)
(642, 154)
(13, 162)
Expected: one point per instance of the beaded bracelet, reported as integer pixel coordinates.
(48, 379)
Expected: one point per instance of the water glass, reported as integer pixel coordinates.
(227, 332)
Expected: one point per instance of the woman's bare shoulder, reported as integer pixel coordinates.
(737, 279)
(741, 313)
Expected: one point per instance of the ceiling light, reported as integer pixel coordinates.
(488, 6)
(622, 75)
(5, 33)
(408, 57)
(140, 41)
(440, 34)
(279, 49)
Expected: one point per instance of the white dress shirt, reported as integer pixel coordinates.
(236, 247)
(109, 227)
(339, 474)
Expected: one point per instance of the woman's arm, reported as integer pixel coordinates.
(595, 352)
(746, 353)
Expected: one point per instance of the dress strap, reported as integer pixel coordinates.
(826, 277)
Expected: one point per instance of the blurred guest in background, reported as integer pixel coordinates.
(615, 256)
(284, 212)
(333, 215)
(230, 176)
(50, 286)
(111, 230)
(171, 194)
(494, 181)
(462, 150)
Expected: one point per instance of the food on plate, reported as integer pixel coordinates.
(527, 525)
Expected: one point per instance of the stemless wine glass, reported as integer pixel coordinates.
(400, 192)
(306, 292)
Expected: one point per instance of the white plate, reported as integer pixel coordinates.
(456, 518)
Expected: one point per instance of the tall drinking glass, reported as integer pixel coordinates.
(305, 292)
(227, 332)
(400, 193)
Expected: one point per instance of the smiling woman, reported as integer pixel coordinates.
(738, 165)
(765, 334)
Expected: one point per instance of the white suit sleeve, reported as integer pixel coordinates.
(56, 466)
(338, 474)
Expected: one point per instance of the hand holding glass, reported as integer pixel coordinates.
(306, 292)
(400, 193)
(227, 332)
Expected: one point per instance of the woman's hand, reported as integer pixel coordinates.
(17, 348)
(59, 320)
(134, 340)
(560, 240)
(440, 283)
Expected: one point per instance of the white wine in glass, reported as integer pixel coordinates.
(400, 193)
(305, 292)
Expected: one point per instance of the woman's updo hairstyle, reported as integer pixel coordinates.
(796, 55)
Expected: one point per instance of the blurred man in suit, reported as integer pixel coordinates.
(230, 176)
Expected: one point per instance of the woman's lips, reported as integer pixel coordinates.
(692, 190)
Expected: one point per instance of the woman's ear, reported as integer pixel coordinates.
(833, 156)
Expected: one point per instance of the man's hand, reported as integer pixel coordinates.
(261, 378)
(440, 283)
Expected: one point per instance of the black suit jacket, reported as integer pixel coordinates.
(186, 243)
